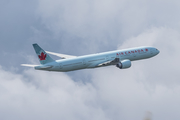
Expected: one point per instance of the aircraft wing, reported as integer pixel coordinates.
(113, 62)
(63, 56)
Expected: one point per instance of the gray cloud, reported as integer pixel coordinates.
(33, 96)
(83, 27)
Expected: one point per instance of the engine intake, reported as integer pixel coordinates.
(124, 64)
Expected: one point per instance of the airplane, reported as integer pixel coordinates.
(120, 58)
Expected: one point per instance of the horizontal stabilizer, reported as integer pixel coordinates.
(28, 65)
(63, 56)
(43, 67)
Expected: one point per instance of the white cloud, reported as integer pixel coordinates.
(40, 95)
(97, 25)
(164, 65)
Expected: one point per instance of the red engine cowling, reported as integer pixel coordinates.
(124, 64)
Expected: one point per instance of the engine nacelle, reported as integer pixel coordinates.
(124, 64)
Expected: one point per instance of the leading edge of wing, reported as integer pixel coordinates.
(63, 56)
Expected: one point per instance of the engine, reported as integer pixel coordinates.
(124, 64)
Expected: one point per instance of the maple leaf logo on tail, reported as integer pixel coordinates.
(42, 56)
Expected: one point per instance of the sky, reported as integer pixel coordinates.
(80, 27)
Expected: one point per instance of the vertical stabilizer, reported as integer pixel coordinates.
(42, 55)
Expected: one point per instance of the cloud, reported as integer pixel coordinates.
(40, 95)
(167, 41)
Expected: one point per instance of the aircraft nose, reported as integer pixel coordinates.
(157, 51)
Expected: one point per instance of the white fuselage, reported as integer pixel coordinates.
(93, 60)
